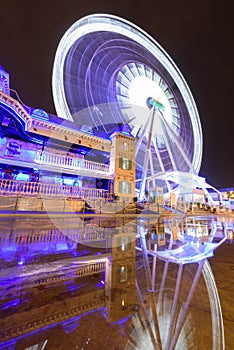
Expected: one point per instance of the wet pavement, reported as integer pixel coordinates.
(223, 268)
(46, 304)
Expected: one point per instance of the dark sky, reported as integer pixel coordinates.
(197, 34)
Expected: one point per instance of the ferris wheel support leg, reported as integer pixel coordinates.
(170, 154)
(161, 163)
(140, 140)
(145, 258)
(156, 324)
(162, 286)
(146, 316)
(174, 304)
(208, 196)
(152, 172)
(171, 236)
(213, 231)
(146, 159)
(154, 268)
(185, 309)
(175, 139)
(150, 287)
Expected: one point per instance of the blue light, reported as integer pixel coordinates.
(21, 262)
(22, 177)
(12, 303)
(100, 284)
(71, 325)
(122, 320)
(10, 344)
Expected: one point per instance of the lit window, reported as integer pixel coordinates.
(123, 274)
(123, 300)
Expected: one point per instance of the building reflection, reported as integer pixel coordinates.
(52, 282)
(75, 284)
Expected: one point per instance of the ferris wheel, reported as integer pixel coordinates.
(108, 71)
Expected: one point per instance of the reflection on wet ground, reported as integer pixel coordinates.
(222, 265)
(83, 287)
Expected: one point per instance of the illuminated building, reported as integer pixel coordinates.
(38, 147)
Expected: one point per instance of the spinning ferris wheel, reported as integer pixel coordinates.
(108, 71)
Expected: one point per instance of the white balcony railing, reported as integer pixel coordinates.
(60, 160)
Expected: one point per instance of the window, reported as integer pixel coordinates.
(125, 146)
(13, 149)
(123, 274)
(125, 164)
(125, 187)
(124, 243)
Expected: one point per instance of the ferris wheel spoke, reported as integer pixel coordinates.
(128, 74)
(122, 83)
(141, 70)
(130, 69)
(122, 79)
(122, 95)
(134, 70)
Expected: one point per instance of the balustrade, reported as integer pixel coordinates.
(87, 233)
(17, 187)
(46, 317)
(70, 162)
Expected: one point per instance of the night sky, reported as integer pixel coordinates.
(197, 34)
